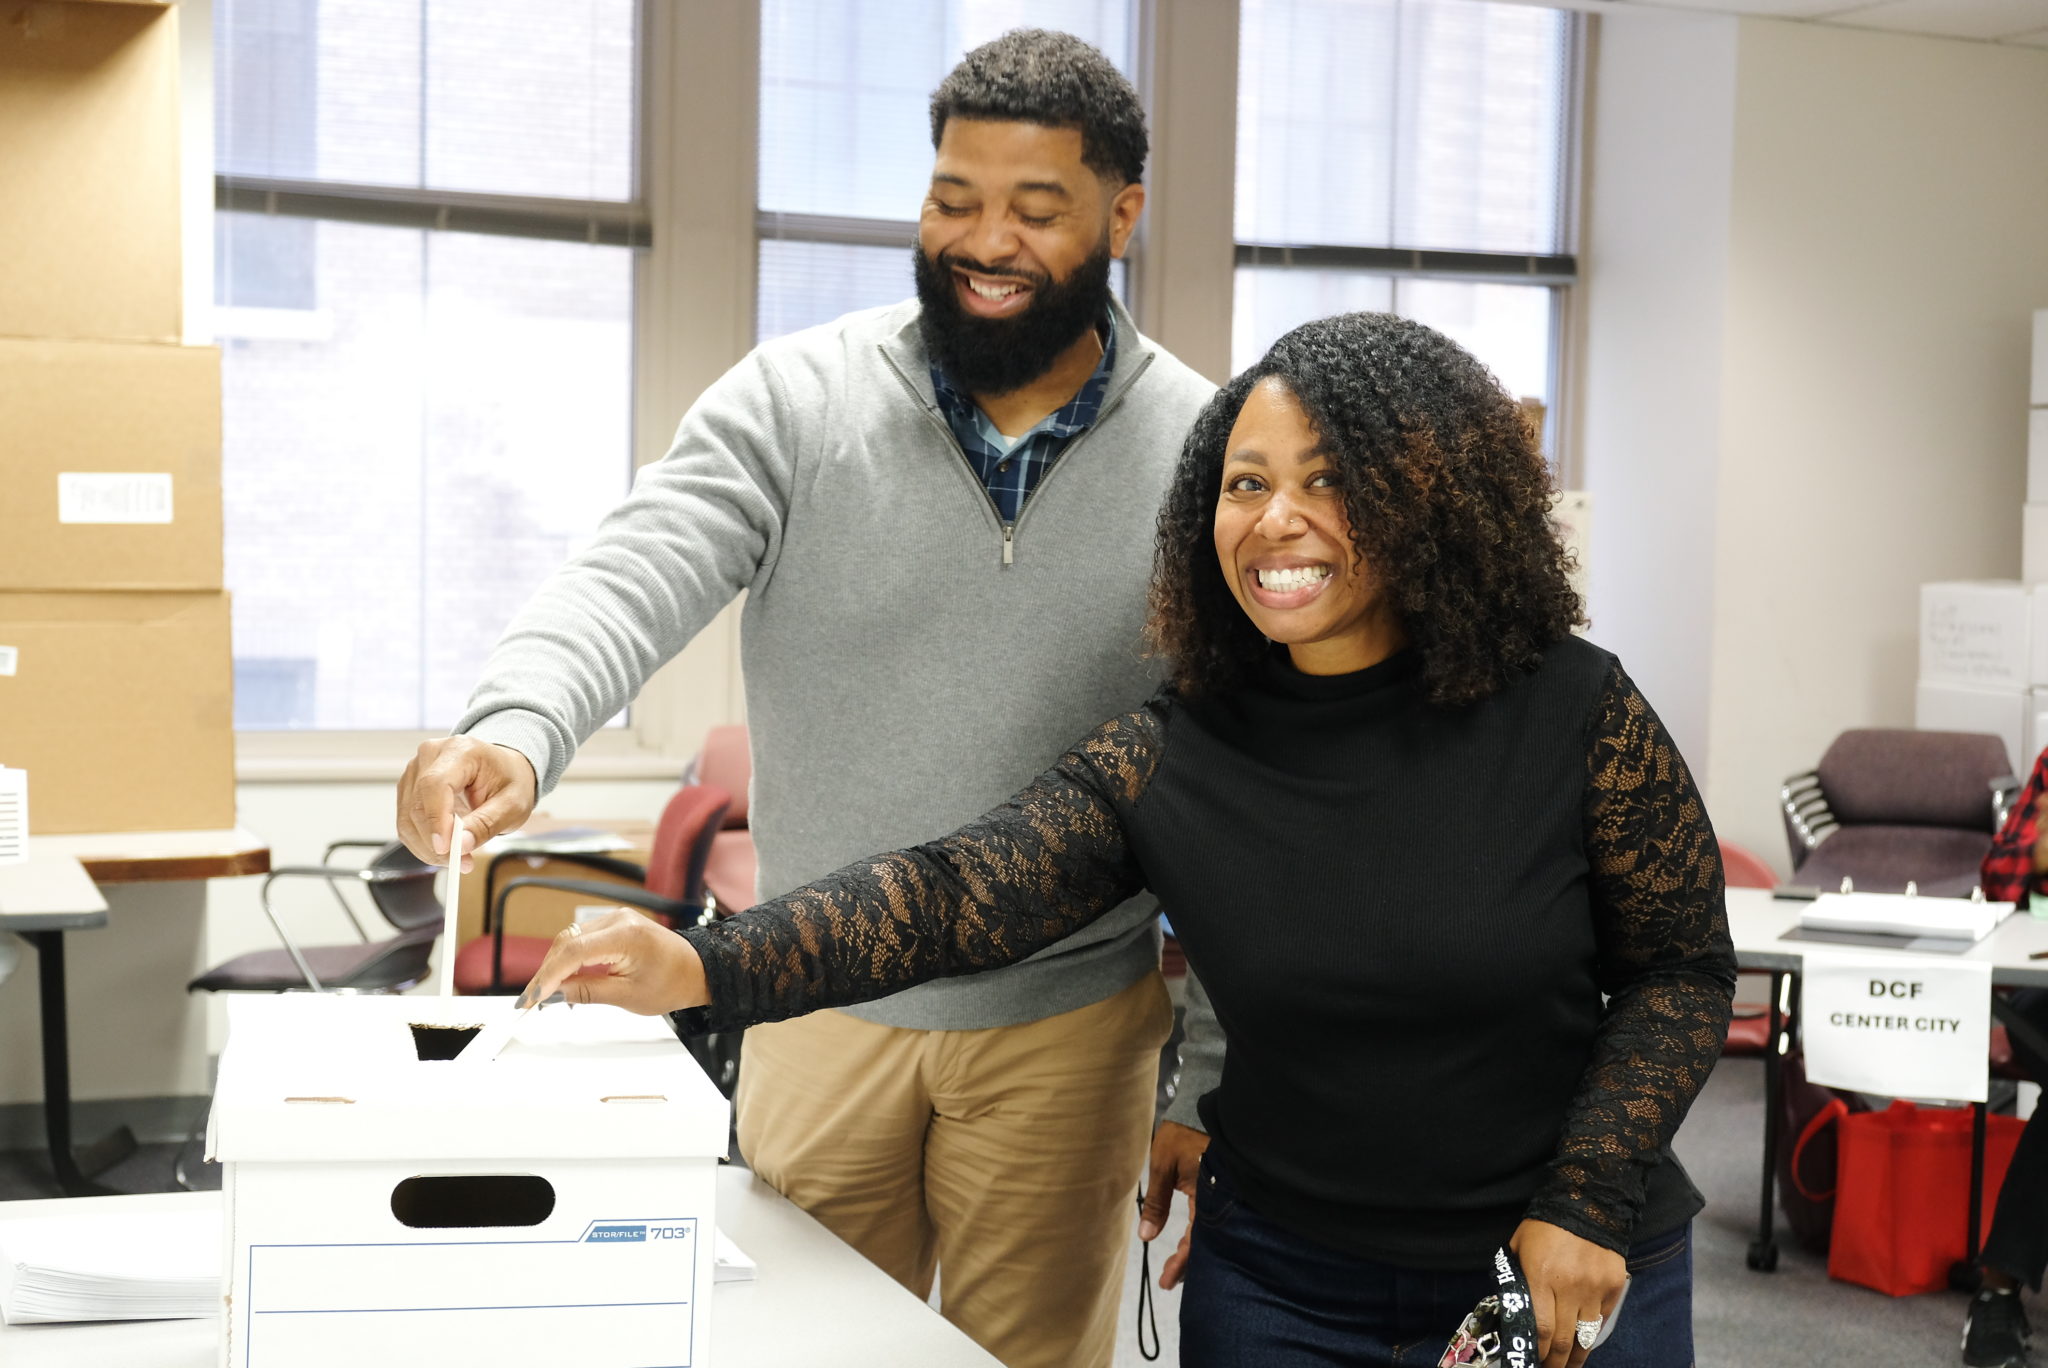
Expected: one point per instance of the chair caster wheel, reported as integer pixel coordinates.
(1763, 1256)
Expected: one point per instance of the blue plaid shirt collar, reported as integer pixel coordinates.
(1011, 471)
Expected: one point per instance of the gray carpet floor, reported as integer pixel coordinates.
(1793, 1318)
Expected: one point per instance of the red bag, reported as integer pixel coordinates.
(1806, 1152)
(1902, 1203)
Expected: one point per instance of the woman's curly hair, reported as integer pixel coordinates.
(1448, 499)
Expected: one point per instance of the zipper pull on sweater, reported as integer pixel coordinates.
(1009, 538)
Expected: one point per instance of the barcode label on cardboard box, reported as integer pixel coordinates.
(113, 496)
(10, 656)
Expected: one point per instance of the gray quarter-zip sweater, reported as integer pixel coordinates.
(910, 661)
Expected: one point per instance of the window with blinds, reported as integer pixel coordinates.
(845, 137)
(425, 255)
(1414, 156)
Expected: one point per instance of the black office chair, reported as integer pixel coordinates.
(399, 886)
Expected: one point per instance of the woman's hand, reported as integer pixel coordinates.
(624, 959)
(1176, 1158)
(1570, 1280)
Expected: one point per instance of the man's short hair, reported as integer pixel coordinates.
(1042, 77)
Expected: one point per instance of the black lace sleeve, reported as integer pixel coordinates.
(1666, 964)
(1038, 868)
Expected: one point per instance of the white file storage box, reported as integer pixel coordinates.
(1975, 633)
(2002, 713)
(553, 1205)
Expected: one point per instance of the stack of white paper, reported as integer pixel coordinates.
(731, 1263)
(91, 1267)
(1895, 914)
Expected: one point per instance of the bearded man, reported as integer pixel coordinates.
(966, 482)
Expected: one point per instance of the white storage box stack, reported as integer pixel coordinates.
(551, 1206)
(1978, 643)
(2034, 531)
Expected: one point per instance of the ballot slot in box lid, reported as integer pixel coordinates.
(1907, 916)
(555, 1202)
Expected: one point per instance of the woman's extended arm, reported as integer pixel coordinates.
(1666, 964)
(1036, 869)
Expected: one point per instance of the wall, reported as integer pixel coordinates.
(1809, 272)
(1886, 250)
(1654, 249)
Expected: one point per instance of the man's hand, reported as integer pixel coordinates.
(1570, 1280)
(1176, 1157)
(491, 786)
(624, 959)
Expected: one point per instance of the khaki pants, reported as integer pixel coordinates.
(1007, 1158)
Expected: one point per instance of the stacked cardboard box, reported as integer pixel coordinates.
(2034, 533)
(1983, 657)
(116, 680)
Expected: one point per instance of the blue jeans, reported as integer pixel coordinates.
(1257, 1296)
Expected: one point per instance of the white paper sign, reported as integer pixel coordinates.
(13, 816)
(10, 657)
(1897, 1025)
(113, 497)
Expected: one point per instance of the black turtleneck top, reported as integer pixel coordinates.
(1471, 964)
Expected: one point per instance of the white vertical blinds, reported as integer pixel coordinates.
(516, 97)
(419, 425)
(1429, 124)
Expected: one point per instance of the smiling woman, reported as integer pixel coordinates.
(1428, 493)
(1284, 542)
(1447, 881)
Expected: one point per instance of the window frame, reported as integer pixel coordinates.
(696, 68)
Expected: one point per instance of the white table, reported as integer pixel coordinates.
(814, 1301)
(1757, 923)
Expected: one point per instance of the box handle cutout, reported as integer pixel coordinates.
(441, 1042)
(635, 1097)
(466, 1201)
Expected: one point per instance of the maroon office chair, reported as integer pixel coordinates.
(727, 763)
(1750, 1028)
(1885, 807)
(671, 892)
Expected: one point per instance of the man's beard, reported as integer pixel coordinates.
(1002, 355)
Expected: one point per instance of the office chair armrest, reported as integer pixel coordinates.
(2005, 791)
(677, 912)
(1806, 813)
(291, 947)
(333, 874)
